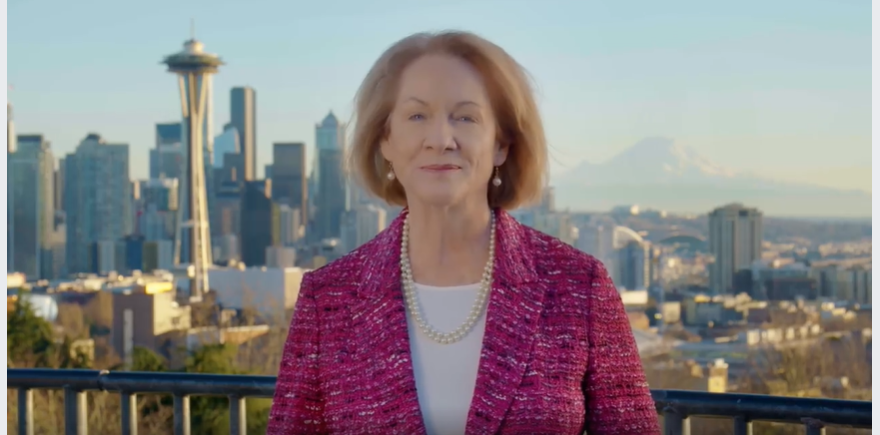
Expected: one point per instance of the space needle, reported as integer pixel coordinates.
(194, 67)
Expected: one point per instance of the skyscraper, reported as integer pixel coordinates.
(160, 206)
(735, 237)
(167, 158)
(331, 201)
(226, 219)
(168, 133)
(291, 228)
(195, 67)
(226, 143)
(97, 199)
(267, 171)
(329, 135)
(634, 265)
(260, 222)
(31, 212)
(328, 179)
(243, 116)
(289, 182)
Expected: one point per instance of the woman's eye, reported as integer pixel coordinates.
(417, 117)
(466, 118)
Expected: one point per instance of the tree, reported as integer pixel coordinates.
(153, 408)
(31, 343)
(145, 360)
(210, 415)
(70, 357)
(29, 337)
(213, 358)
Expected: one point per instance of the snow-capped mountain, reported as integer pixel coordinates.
(658, 173)
(651, 160)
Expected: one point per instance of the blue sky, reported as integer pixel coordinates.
(779, 88)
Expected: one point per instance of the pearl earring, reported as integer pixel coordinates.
(390, 175)
(496, 181)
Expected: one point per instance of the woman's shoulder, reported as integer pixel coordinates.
(343, 269)
(349, 267)
(577, 280)
(555, 257)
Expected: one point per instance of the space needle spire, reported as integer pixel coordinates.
(194, 68)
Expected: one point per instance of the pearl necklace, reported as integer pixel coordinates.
(409, 291)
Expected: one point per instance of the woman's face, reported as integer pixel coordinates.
(442, 140)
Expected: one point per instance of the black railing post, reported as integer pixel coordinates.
(675, 423)
(25, 411)
(742, 426)
(814, 426)
(181, 414)
(75, 412)
(129, 413)
(237, 415)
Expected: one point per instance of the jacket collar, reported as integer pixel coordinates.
(514, 309)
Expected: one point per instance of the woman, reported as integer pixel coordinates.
(457, 319)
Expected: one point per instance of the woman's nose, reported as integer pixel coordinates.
(440, 134)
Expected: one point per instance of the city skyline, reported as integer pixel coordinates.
(729, 84)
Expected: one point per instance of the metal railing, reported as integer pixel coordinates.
(675, 406)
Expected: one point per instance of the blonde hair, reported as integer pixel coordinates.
(523, 174)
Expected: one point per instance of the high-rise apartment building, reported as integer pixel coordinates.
(97, 199)
(31, 207)
(735, 236)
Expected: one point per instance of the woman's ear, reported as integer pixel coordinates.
(501, 150)
(383, 149)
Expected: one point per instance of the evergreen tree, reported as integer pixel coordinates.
(210, 415)
(29, 337)
(145, 360)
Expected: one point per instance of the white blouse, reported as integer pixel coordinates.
(446, 374)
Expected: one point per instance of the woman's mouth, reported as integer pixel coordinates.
(440, 168)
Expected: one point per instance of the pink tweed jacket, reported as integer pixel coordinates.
(558, 354)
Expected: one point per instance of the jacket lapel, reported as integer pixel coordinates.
(514, 309)
(380, 318)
